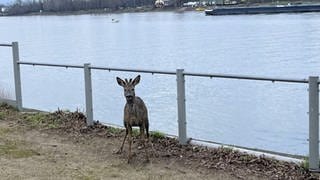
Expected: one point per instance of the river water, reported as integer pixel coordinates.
(265, 115)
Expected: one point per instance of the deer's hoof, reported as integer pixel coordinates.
(129, 160)
(147, 161)
(118, 152)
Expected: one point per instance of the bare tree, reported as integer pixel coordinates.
(23, 7)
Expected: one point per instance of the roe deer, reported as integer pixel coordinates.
(135, 114)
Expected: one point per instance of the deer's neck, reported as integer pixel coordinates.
(131, 104)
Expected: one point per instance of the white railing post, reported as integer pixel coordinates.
(17, 75)
(181, 100)
(313, 123)
(88, 94)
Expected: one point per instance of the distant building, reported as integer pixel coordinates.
(190, 4)
(164, 3)
(159, 3)
(3, 10)
(226, 2)
(168, 2)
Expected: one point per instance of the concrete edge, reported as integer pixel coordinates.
(251, 152)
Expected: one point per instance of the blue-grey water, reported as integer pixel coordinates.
(263, 115)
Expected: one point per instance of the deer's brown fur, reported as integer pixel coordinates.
(135, 114)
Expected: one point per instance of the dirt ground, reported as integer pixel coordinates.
(30, 150)
(32, 153)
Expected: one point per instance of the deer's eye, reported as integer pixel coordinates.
(132, 89)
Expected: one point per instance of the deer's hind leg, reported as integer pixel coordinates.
(130, 143)
(144, 140)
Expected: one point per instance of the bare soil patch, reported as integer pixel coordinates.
(59, 146)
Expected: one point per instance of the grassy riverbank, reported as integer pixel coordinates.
(105, 11)
(109, 11)
(60, 146)
(111, 6)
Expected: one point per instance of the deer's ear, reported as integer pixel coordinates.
(120, 82)
(136, 80)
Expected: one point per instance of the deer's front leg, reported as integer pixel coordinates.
(145, 145)
(121, 148)
(143, 138)
(130, 142)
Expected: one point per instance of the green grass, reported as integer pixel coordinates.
(53, 125)
(305, 163)
(157, 134)
(2, 115)
(227, 149)
(36, 119)
(135, 132)
(15, 150)
(245, 157)
(4, 131)
(114, 130)
(41, 120)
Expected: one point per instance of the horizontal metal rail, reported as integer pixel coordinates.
(6, 45)
(50, 65)
(233, 76)
(134, 70)
(226, 76)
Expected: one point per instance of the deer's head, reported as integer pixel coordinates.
(128, 87)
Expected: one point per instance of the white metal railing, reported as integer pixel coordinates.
(312, 81)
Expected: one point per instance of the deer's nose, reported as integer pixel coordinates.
(129, 98)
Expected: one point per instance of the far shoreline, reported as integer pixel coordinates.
(108, 11)
(143, 9)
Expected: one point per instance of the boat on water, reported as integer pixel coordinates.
(263, 9)
(114, 20)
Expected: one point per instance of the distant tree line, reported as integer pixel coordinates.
(29, 6)
(23, 7)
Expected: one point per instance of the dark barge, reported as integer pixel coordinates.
(263, 9)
